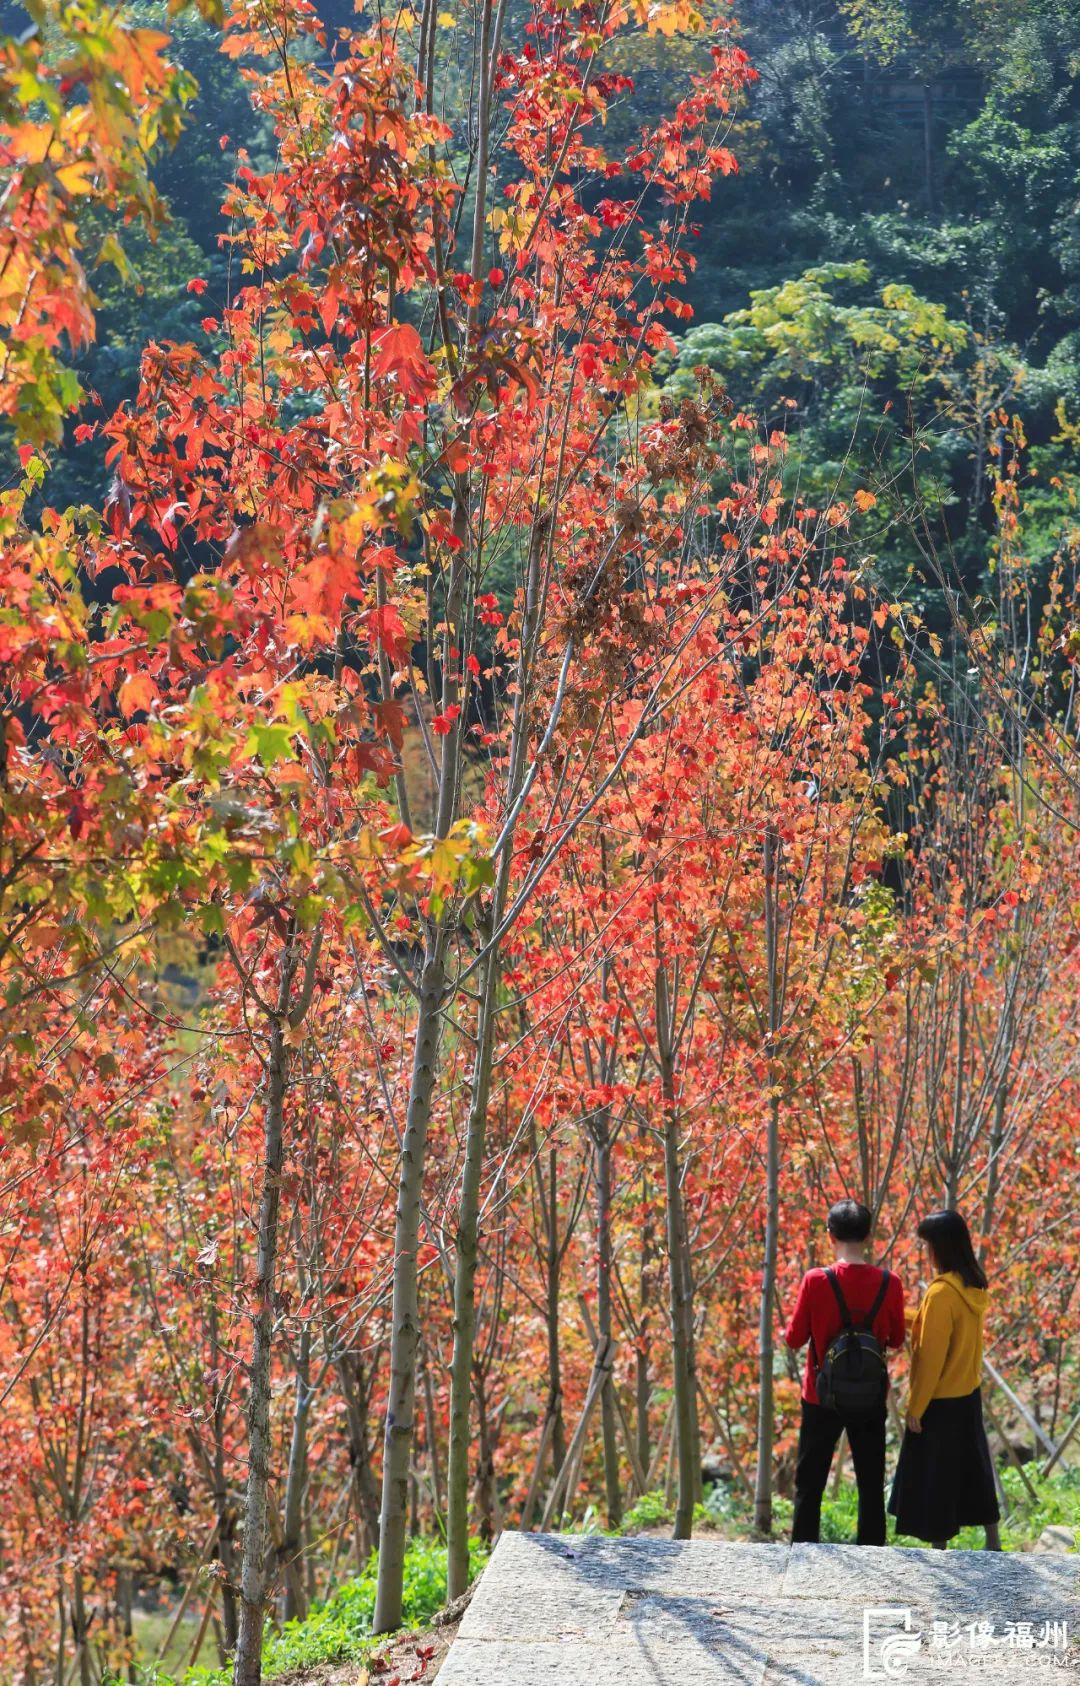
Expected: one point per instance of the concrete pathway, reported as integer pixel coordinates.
(578, 1610)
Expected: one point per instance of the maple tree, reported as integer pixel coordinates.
(496, 1080)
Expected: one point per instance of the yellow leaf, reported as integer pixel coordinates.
(111, 251)
(76, 178)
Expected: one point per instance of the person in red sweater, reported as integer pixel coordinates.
(817, 1320)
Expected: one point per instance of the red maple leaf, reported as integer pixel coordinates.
(386, 630)
(443, 722)
(399, 353)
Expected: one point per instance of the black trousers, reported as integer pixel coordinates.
(818, 1434)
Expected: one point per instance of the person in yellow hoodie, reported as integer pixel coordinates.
(944, 1476)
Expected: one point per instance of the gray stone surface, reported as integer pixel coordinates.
(924, 1670)
(586, 1611)
(643, 1662)
(550, 1584)
(961, 1584)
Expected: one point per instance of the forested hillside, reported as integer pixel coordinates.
(899, 253)
(537, 751)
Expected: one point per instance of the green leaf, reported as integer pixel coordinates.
(270, 743)
(240, 871)
(212, 919)
(478, 871)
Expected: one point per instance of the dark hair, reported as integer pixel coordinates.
(949, 1240)
(849, 1221)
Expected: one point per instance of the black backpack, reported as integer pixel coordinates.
(852, 1378)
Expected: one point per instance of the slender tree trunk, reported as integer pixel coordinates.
(224, 1510)
(487, 1500)
(642, 1395)
(602, 1187)
(979, 469)
(60, 1671)
(642, 1379)
(691, 1356)
(928, 143)
(681, 1309)
(296, 1480)
(365, 1493)
(764, 1473)
(1001, 1102)
(554, 1291)
(226, 1550)
(405, 1333)
(467, 1248)
(311, 1579)
(955, 1152)
(869, 1195)
(467, 1251)
(80, 1624)
(125, 1597)
(680, 1341)
(997, 1136)
(30, 1673)
(431, 1431)
(247, 1670)
(552, 1428)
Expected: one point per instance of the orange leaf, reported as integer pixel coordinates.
(137, 692)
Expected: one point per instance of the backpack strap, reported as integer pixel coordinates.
(879, 1301)
(845, 1314)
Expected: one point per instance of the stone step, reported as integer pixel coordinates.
(582, 1610)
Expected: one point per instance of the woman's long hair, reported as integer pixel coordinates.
(949, 1240)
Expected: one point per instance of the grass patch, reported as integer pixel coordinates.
(338, 1629)
(1056, 1502)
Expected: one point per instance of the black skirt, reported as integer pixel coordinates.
(944, 1477)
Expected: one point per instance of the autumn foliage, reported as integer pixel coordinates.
(481, 863)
